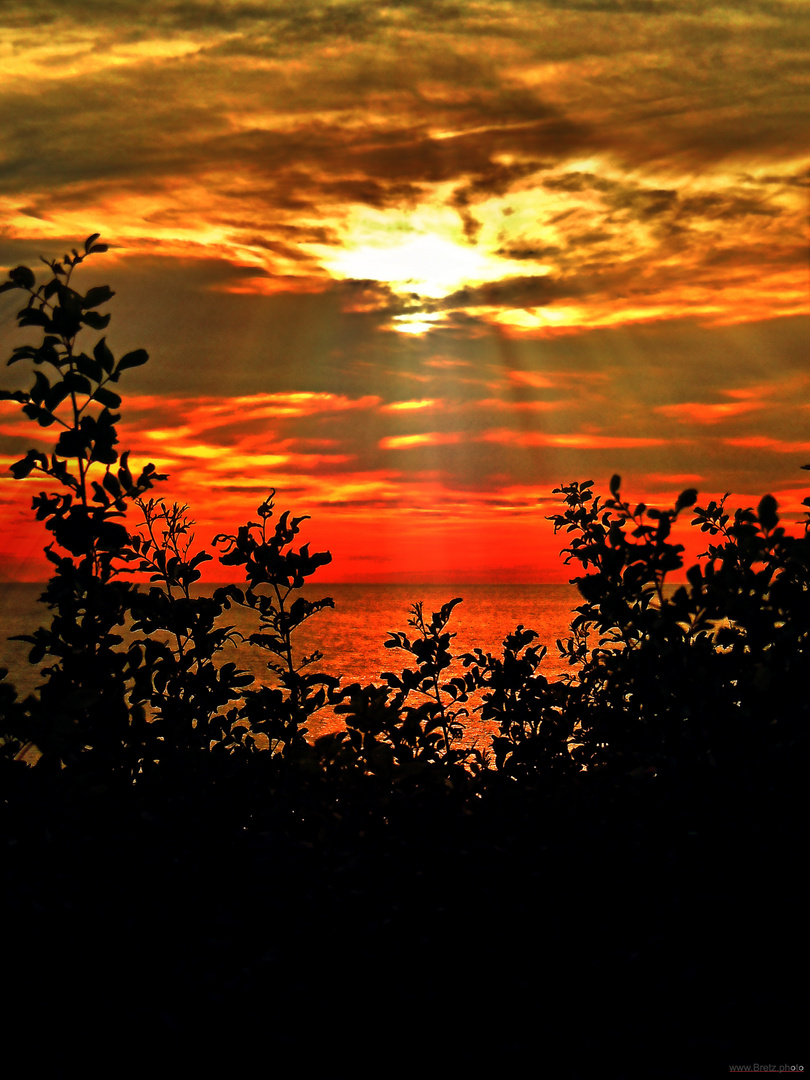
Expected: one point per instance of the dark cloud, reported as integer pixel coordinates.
(276, 247)
(133, 133)
(801, 179)
(643, 202)
(617, 7)
(723, 207)
(368, 192)
(526, 250)
(149, 122)
(510, 292)
(762, 254)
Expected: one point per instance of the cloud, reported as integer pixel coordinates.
(536, 379)
(419, 119)
(695, 412)
(581, 441)
(764, 442)
(428, 438)
(679, 480)
(585, 218)
(411, 406)
(499, 405)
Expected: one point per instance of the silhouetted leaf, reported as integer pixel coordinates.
(766, 512)
(133, 359)
(96, 296)
(56, 395)
(23, 277)
(100, 495)
(103, 355)
(112, 485)
(78, 384)
(24, 467)
(106, 397)
(40, 388)
(35, 317)
(96, 321)
(447, 608)
(88, 366)
(686, 498)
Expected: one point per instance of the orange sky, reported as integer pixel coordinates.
(415, 265)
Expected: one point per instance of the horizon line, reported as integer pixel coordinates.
(318, 584)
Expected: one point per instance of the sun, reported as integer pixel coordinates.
(423, 255)
(416, 251)
(431, 266)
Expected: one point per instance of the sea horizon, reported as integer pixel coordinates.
(416, 582)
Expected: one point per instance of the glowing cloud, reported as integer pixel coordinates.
(410, 406)
(411, 442)
(695, 412)
(574, 442)
(563, 230)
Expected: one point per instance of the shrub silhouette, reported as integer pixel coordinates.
(700, 677)
(707, 675)
(415, 721)
(535, 721)
(83, 706)
(116, 707)
(600, 847)
(177, 637)
(279, 713)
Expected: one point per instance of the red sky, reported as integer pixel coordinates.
(415, 265)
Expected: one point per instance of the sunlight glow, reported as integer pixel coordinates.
(427, 264)
(538, 318)
(564, 254)
(415, 324)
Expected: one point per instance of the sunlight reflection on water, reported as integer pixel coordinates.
(352, 635)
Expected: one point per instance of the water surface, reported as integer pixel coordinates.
(352, 635)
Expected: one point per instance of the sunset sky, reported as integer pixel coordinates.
(416, 264)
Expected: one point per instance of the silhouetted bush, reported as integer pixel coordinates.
(579, 876)
(707, 676)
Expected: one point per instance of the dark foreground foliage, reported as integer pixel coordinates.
(190, 882)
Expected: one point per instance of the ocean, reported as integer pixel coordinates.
(351, 636)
